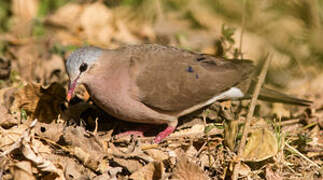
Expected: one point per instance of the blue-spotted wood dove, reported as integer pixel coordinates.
(157, 84)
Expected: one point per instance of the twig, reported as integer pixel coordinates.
(287, 123)
(95, 131)
(242, 144)
(242, 28)
(302, 155)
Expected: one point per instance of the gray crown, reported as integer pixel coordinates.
(83, 55)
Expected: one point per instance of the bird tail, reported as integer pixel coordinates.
(272, 95)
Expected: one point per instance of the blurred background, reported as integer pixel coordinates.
(37, 35)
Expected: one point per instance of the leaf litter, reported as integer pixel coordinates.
(43, 137)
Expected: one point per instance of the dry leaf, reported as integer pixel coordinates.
(123, 34)
(244, 170)
(22, 171)
(131, 164)
(5, 68)
(25, 9)
(186, 169)
(191, 151)
(270, 175)
(51, 131)
(6, 120)
(88, 149)
(67, 16)
(280, 111)
(262, 144)
(72, 171)
(66, 38)
(40, 103)
(157, 154)
(24, 12)
(197, 129)
(111, 174)
(152, 171)
(231, 130)
(30, 153)
(28, 57)
(96, 22)
(51, 70)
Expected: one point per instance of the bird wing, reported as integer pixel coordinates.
(171, 79)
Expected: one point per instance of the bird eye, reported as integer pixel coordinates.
(83, 67)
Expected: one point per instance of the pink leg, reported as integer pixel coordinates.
(162, 135)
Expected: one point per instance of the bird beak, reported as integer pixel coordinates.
(71, 89)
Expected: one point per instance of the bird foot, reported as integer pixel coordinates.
(162, 135)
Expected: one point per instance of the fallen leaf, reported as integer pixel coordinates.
(262, 144)
(231, 130)
(151, 171)
(244, 170)
(5, 68)
(186, 169)
(71, 171)
(41, 103)
(96, 21)
(271, 175)
(130, 164)
(25, 9)
(67, 16)
(157, 154)
(6, 120)
(22, 170)
(280, 111)
(51, 131)
(23, 13)
(88, 149)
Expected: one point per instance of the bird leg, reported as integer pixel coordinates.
(140, 133)
(162, 135)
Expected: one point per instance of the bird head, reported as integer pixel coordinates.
(78, 64)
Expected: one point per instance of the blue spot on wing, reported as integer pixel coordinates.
(189, 69)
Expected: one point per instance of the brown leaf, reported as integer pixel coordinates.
(67, 16)
(271, 175)
(186, 169)
(96, 22)
(51, 131)
(6, 120)
(280, 111)
(88, 149)
(262, 144)
(24, 12)
(22, 170)
(5, 68)
(131, 164)
(25, 9)
(38, 102)
(157, 154)
(230, 133)
(153, 170)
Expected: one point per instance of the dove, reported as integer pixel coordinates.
(157, 84)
